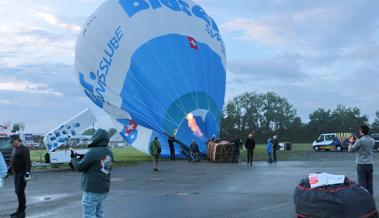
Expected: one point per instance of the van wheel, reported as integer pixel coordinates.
(339, 148)
(316, 148)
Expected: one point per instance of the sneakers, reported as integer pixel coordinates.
(155, 169)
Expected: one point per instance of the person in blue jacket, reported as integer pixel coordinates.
(269, 150)
(3, 170)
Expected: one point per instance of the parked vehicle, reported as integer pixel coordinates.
(58, 140)
(5, 147)
(375, 136)
(332, 141)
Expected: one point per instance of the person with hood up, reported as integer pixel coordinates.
(155, 151)
(96, 166)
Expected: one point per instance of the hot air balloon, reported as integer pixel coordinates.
(157, 67)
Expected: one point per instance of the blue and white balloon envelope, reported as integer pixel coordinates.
(157, 67)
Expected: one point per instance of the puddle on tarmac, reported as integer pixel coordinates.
(51, 197)
(116, 179)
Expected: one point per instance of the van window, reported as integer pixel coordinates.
(5, 144)
(329, 137)
(320, 138)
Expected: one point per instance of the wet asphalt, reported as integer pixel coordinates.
(180, 190)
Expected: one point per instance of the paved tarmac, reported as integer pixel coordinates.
(180, 190)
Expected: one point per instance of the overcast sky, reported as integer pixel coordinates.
(314, 53)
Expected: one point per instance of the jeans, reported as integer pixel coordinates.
(274, 154)
(19, 185)
(236, 156)
(365, 172)
(250, 155)
(269, 157)
(93, 204)
(172, 152)
(155, 161)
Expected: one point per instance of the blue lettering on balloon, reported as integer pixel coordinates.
(96, 92)
(172, 4)
(133, 7)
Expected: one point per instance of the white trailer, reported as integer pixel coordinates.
(60, 136)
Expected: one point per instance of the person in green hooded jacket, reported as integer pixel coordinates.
(155, 151)
(96, 166)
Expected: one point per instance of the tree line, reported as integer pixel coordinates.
(268, 114)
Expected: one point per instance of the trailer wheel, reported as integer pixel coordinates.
(47, 158)
(316, 148)
(338, 148)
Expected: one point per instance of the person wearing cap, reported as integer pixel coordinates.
(155, 151)
(21, 165)
(96, 166)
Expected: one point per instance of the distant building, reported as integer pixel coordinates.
(81, 140)
(117, 141)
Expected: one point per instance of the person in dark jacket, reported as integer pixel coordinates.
(275, 146)
(195, 152)
(21, 165)
(250, 146)
(96, 166)
(171, 141)
(237, 146)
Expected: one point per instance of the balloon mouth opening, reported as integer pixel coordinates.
(194, 127)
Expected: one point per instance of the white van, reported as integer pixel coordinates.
(332, 141)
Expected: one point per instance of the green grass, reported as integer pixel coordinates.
(298, 149)
(122, 157)
(129, 155)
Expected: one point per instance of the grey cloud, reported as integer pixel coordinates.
(56, 76)
(271, 69)
(39, 33)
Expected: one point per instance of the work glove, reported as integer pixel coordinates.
(73, 154)
(27, 176)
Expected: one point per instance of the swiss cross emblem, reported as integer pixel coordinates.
(192, 42)
(131, 126)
